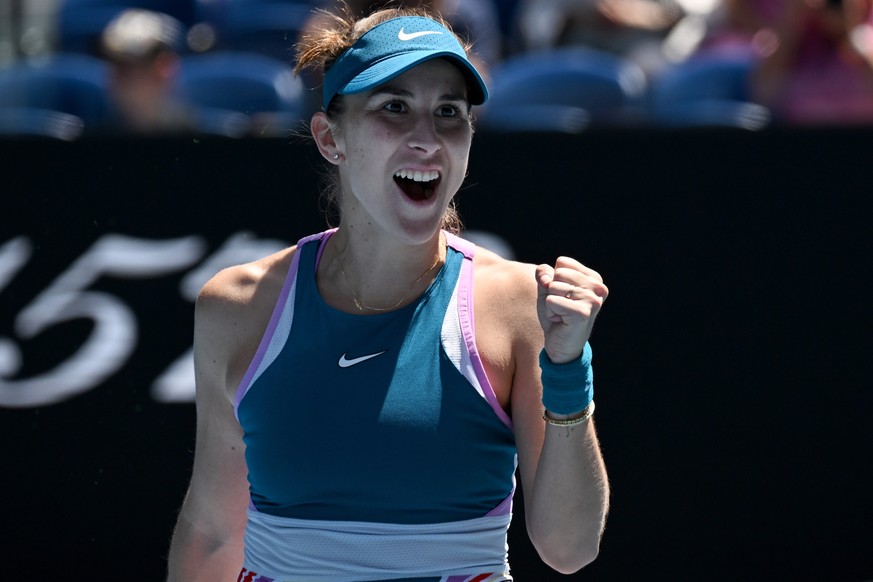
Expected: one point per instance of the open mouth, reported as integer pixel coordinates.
(417, 185)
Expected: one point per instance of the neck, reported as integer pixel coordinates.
(374, 277)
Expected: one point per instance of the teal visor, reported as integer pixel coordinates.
(394, 47)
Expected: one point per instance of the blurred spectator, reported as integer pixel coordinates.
(859, 22)
(822, 69)
(743, 28)
(634, 29)
(142, 49)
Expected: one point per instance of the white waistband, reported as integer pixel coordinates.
(303, 550)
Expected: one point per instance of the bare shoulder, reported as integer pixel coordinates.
(507, 327)
(505, 287)
(235, 293)
(236, 287)
(232, 311)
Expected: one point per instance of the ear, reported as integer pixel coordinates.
(323, 132)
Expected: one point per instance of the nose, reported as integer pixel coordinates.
(423, 135)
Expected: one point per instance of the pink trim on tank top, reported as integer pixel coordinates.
(278, 310)
(468, 327)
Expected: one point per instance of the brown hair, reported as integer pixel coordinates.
(318, 50)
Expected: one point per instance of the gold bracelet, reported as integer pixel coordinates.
(586, 414)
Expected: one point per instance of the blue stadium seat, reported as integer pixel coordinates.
(564, 89)
(707, 91)
(70, 84)
(224, 86)
(26, 122)
(79, 27)
(267, 28)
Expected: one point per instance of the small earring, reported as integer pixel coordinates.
(336, 156)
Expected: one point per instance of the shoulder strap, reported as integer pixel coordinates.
(281, 318)
(467, 248)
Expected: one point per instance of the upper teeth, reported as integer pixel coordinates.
(417, 175)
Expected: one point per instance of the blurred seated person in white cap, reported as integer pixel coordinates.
(141, 48)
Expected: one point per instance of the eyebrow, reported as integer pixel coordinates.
(398, 92)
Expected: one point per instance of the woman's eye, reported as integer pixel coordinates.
(394, 107)
(448, 111)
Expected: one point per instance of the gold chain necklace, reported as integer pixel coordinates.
(361, 306)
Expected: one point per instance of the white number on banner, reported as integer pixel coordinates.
(177, 383)
(114, 334)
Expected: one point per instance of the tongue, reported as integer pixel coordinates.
(415, 190)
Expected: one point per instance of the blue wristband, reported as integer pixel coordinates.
(567, 388)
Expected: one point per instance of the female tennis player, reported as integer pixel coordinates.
(365, 397)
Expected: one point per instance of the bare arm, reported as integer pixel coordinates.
(566, 490)
(207, 542)
(563, 475)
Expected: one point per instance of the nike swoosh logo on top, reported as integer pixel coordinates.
(410, 35)
(346, 363)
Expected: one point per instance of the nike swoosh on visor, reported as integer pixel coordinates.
(404, 36)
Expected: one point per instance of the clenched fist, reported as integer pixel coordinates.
(569, 297)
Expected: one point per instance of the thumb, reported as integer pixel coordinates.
(545, 274)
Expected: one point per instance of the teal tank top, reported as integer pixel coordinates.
(377, 418)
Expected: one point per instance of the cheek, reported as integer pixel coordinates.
(368, 143)
(461, 147)
(459, 162)
(462, 137)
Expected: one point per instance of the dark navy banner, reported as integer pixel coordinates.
(734, 396)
